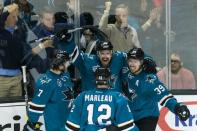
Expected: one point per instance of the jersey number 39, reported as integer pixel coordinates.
(102, 117)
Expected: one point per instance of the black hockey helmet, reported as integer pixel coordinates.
(60, 57)
(136, 53)
(102, 76)
(104, 45)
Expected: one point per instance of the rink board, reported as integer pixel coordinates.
(13, 116)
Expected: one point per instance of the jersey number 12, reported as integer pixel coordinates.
(102, 117)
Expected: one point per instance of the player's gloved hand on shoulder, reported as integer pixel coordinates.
(69, 94)
(149, 65)
(182, 111)
(32, 126)
(130, 94)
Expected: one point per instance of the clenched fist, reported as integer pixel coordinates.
(108, 5)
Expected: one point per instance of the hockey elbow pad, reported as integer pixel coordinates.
(182, 112)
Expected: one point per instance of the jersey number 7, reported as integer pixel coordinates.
(102, 117)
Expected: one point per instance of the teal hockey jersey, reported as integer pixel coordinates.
(147, 91)
(50, 100)
(99, 108)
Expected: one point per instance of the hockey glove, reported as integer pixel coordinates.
(31, 126)
(69, 94)
(182, 112)
(149, 65)
(130, 94)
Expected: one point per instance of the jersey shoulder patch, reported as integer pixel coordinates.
(150, 78)
(45, 80)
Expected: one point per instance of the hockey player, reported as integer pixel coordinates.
(105, 57)
(145, 91)
(52, 94)
(100, 108)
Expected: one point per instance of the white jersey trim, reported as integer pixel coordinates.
(76, 55)
(75, 125)
(37, 105)
(36, 111)
(125, 123)
(166, 100)
(128, 129)
(68, 128)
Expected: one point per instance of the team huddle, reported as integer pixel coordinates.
(119, 90)
(123, 95)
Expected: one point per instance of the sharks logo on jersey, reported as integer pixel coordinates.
(45, 80)
(68, 94)
(151, 78)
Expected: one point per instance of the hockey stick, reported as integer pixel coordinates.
(25, 88)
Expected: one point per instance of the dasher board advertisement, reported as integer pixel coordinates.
(13, 116)
(169, 122)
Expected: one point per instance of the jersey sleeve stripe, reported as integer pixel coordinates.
(68, 129)
(36, 108)
(75, 54)
(126, 125)
(35, 111)
(72, 126)
(37, 105)
(164, 100)
(129, 128)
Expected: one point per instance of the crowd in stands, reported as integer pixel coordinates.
(119, 28)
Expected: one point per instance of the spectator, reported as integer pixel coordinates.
(86, 18)
(121, 34)
(25, 10)
(44, 29)
(61, 17)
(12, 52)
(46, 26)
(181, 77)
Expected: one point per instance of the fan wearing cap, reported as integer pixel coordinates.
(101, 108)
(181, 77)
(52, 96)
(145, 91)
